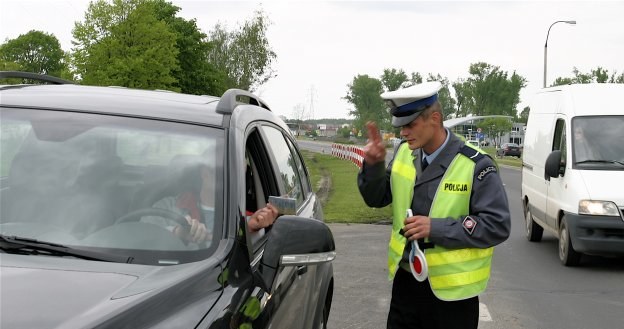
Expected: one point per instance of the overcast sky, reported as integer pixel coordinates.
(322, 46)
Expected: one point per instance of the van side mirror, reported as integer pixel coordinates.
(554, 167)
(295, 241)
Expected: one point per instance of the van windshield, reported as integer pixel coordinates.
(597, 142)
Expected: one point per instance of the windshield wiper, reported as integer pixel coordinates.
(601, 161)
(21, 244)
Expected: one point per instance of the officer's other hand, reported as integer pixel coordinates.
(375, 149)
(417, 227)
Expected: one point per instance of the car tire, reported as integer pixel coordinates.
(533, 231)
(567, 254)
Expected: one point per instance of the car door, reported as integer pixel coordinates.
(296, 286)
(557, 185)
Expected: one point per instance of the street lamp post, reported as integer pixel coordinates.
(546, 45)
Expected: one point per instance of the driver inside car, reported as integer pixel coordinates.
(198, 210)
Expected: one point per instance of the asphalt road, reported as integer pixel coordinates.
(529, 288)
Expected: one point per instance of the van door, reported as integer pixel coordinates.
(556, 188)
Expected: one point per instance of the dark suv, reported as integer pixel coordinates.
(83, 244)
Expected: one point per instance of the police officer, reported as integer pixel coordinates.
(460, 212)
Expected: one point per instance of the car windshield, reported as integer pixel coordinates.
(597, 142)
(110, 184)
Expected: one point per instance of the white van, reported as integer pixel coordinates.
(573, 169)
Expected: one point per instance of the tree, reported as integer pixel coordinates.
(125, 44)
(462, 89)
(415, 78)
(10, 66)
(364, 93)
(245, 54)
(444, 96)
(344, 132)
(616, 78)
(393, 79)
(524, 115)
(195, 74)
(496, 127)
(597, 75)
(36, 52)
(489, 90)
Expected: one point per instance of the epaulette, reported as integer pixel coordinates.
(471, 153)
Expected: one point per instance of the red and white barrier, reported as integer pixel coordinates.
(352, 153)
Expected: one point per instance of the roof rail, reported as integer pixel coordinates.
(34, 76)
(231, 99)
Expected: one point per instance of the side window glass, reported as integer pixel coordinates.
(559, 138)
(559, 141)
(303, 173)
(285, 162)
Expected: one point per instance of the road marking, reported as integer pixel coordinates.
(484, 314)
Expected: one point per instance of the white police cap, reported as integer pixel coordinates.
(406, 104)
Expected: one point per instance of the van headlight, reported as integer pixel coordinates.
(598, 208)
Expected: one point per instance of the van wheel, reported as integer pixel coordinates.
(567, 254)
(534, 231)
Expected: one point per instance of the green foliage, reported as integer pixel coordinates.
(597, 75)
(10, 66)
(461, 97)
(125, 44)
(524, 115)
(364, 93)
(195, 74)
(340, 196)
(344, 132)
(444, 96)
(36, 52)
(490, 91)
(244, 54)
(393, 79)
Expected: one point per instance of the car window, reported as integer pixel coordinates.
(111, 183)
(303, 173)
(289, 174)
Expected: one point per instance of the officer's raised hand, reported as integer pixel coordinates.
(375, 149)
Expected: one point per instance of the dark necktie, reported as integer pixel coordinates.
(425, 163)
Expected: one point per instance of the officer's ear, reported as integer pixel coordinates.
(436, 116)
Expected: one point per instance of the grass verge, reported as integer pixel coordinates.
(335, 182)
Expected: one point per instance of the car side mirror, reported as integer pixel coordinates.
(554, 167)
(295, 241)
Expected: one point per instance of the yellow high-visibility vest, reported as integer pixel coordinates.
(454, 274)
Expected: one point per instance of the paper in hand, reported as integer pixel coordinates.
(285, 206)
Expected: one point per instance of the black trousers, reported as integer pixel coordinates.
(414, 306)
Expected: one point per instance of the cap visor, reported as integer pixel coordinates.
(398, 122)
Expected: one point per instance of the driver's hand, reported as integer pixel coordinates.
(198, 232)
(262, 218)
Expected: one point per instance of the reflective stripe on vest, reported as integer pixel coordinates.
(454, 274)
